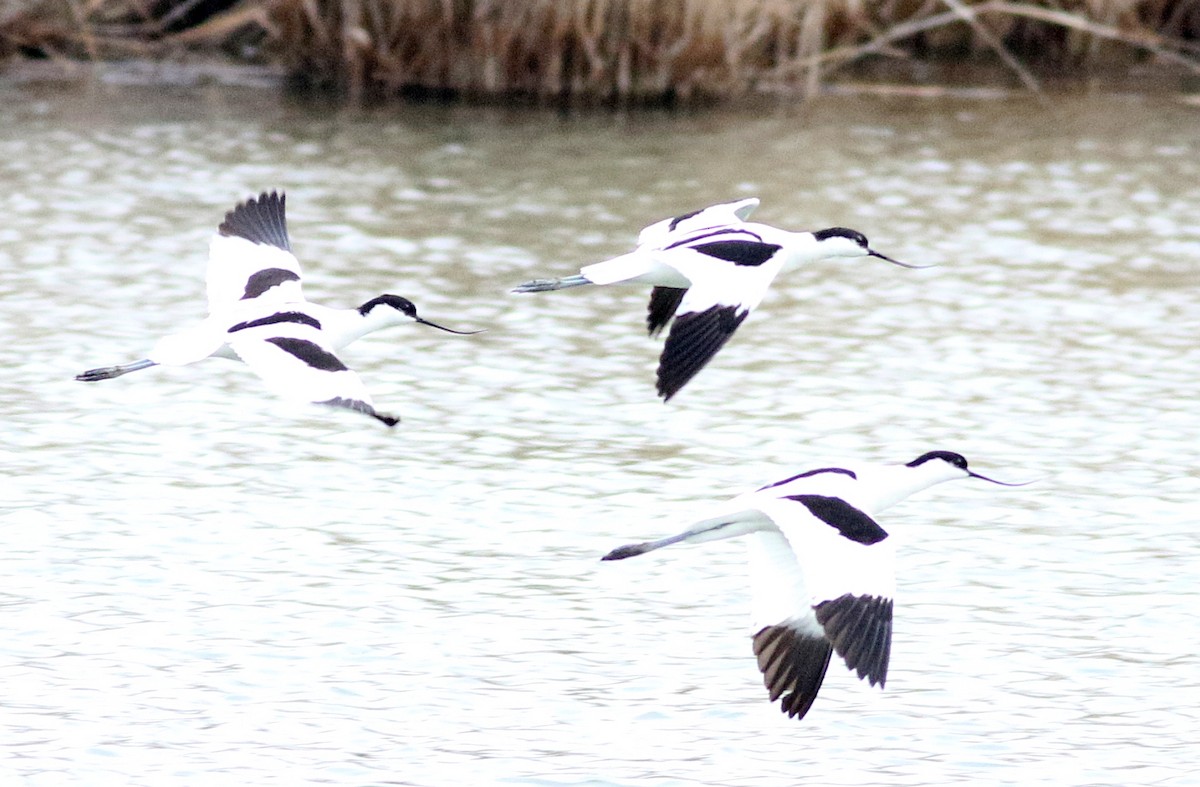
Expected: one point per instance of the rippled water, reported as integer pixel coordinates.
(203, 583)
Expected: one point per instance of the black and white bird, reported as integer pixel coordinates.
(821, 568)
(709, 269)
(257, 314)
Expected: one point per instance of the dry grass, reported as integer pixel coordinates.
(606, 51)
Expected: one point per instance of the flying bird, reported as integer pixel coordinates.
(709, 269)
(821, 568)
(258, 314)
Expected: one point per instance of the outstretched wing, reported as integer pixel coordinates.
(730, 278)
(295, 362)
(250, 258)
(792, 650)
(844, 562)
(663, 303)
(659, 233)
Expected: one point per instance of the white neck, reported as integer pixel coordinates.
(799, 248)
(343, 326)
(883, 486)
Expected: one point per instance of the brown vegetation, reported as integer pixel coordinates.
(620, 51)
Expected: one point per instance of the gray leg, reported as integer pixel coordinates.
(108, 372)
(542, 285)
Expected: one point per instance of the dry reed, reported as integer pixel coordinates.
(605, 51)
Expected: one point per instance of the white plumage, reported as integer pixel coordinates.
(258, 314)
(659, 233)
(821, 568)
(709, 269)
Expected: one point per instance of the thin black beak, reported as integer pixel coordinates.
(423, 321)
(994, 481)
(873, 253)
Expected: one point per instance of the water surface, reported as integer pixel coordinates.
(204, 583)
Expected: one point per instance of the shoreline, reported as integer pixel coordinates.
(983, 83)
(611, 53)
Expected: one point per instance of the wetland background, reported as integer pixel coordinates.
(618, 52)
(203, 584)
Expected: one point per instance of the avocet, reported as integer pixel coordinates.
(258, 314)
(821, 568)
(709, 269)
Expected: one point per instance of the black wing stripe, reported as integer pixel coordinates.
(359, 406)
(841, 470)
(259, 220)
(739, 252)
(265, 279)
(278, 317)
(310, 353)
(848, 520)
(793, 667)
(675, 221)
(694, 339)
(663, 303)
(721, 232)
(860, 628)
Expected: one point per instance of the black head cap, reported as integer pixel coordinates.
(402, 305)
(842, 232)
(958, 460)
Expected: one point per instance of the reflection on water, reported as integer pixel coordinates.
(207, 583)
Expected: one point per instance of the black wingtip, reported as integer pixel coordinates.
(860, 628)
(664, 301)
(260, 219)
(694, 339)
(793, 666)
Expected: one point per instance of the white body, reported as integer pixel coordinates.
(659, 233)
(822, 570)
(209, 338)
(710, 269)
(232, 261)
(258, 314)
(798, 560)
(671, 261)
